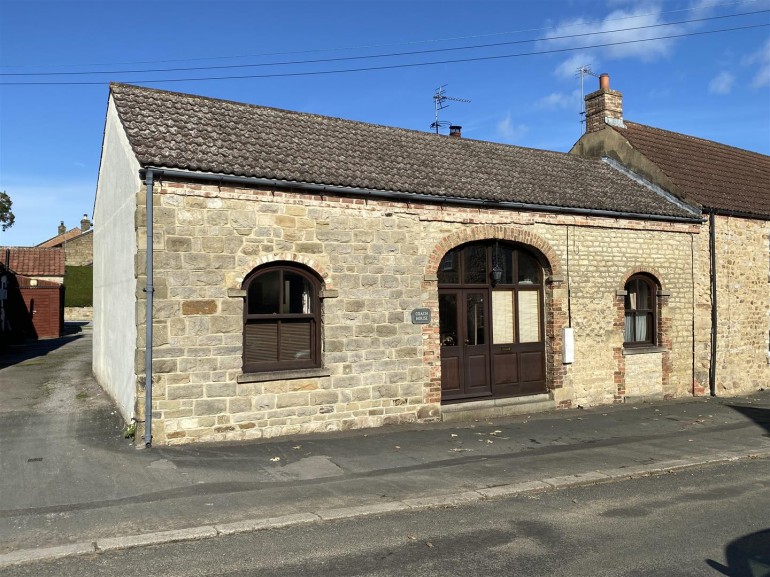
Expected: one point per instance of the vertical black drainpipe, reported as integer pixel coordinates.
(148, 320)
(713, 267)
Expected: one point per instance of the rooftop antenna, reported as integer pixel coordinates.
(582, 72)
(439, 103)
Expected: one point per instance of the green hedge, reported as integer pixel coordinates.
(78, 286)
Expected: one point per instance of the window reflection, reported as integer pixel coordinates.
(529, 269)
(476, 264)
(448, 272)
(447, 309)
(503, 256)
(475, 322)
(264, 294)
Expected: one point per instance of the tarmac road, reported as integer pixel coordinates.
(73, 485)
(707, 521)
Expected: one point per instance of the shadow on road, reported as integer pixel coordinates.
(18, 353)
(759, 415)
(747, 556)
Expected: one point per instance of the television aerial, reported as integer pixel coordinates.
(582, 72)
(440, 103)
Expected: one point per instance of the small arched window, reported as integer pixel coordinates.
(640, 306)
(281, 322)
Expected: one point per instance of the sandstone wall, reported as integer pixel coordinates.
(378, 261)
(743, 305)
(80, 250)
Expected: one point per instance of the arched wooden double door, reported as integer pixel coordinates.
(491, 322)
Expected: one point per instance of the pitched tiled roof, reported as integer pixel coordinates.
(60, 239)
(34, 261)
(714, 175)
(173, 130)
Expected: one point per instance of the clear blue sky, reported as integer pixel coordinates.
(715, 86)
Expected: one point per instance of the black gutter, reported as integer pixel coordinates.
(738, 214)
(409, 196)
(713, 281)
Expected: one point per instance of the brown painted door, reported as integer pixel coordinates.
(465, 344)
(491, 322)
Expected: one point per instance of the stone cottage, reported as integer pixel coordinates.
(77, 243)
(305, 273)
(732, 253)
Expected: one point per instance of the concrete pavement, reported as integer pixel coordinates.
(71, 484)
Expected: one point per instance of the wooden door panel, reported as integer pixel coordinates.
(451, 374)
(531, 366)
(476, 372)
(506, 368)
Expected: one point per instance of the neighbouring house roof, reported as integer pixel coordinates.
(181, 131)
(712, 174)
(60, 239)
(34, 261)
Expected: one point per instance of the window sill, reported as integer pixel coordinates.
(283, 375)
(643, 350)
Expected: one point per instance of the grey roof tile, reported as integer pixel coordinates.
(181, 131)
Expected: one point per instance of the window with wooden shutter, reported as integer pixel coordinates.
(281, 319)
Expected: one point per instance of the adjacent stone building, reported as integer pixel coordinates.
(77, 243)
(316, 274)
(732, 253)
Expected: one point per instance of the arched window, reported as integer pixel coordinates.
(281, 321)
(641, 322)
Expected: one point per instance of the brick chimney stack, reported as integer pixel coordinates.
(605, 106)
(85, 224)
(62, 229)
(456, 131)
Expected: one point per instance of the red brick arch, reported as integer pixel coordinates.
(488, 232)
(646, 270)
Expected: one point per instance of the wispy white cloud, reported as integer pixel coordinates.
(620, 27)
(559, 100)
(722, 83)
(509, 130)
(760, 60)
(702, 8)
(569, 68)
(630, 27)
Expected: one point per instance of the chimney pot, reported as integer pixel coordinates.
(604, 82)
(456, 131)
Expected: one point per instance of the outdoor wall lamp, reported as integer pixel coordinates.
(496, 274)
